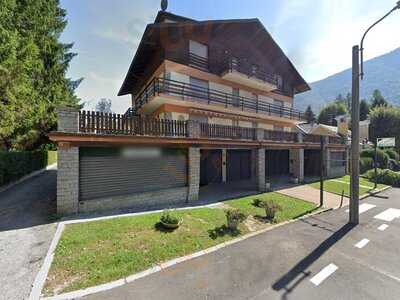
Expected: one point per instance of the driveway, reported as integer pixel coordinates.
(320, 257)
(26, 231)
(308, 193)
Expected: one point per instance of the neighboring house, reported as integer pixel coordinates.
(212, 106)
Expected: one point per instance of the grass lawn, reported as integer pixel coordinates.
(93, 253)
(291, 207)
(333, 186)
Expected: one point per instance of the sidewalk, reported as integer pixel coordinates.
(310, 194)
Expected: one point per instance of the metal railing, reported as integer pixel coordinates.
(226, 131)
(234, 64)
(210, 96)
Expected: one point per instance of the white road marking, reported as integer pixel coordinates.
(388, 215)
(323, 274)
(383, 227)
(364, 207)
(362, 243)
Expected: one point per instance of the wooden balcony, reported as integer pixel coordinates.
(209, 96)
(103, 124)
(243, 72)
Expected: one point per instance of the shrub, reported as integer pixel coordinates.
(383, 158)
(234, 217)
(257, 202)
(16, 164)
(366, 163)
(271, 208)
(392, 154)
(385, 176)
(394, 165)
(168, 217)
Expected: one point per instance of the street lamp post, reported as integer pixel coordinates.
(355, 118)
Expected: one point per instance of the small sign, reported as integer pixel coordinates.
(386, 142)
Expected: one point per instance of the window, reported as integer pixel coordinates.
(279, 82)
(199, 88)
(254, 69)
(236, 97)
(198, 49)
(234, 64)
(278, 103)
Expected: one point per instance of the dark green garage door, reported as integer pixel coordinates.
(106, 172)
(276, 162)
(210, 166)
(238, 165)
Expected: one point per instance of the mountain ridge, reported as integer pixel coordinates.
(381, 72)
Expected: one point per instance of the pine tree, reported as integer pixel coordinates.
(33, 66)
(309, 115)
(377, 99)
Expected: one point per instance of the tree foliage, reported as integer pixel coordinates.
(309, 114)
(328, 114)
(377, 99)
(33, 66)
(364, 110)
(385, 122)
(104, 105)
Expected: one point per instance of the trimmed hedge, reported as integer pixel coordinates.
(383, 158)
(385, 176)
(16, 164)
(366, 163)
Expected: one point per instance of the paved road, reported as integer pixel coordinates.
(288, 262)
(25, 232)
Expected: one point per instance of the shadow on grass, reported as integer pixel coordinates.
(221, 231)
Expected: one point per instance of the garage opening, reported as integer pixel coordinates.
(210, 166)
(277, 163)
(238, 165)
(107, 172)
(312, 162)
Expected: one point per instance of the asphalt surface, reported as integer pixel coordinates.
(26, 231)
(284, 262)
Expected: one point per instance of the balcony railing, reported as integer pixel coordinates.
(210, 96)
(198, 62)
(107, 123)
(226, 131)
(233, 64)
(271, 135)
(115, 124)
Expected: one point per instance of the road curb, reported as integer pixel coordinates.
(42, 275)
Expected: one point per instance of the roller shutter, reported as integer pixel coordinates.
(105, 172)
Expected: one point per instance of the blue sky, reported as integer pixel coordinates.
(316, 35)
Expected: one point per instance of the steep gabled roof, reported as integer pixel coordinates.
(150, 41)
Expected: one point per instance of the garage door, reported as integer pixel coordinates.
(277, 162)
(238, 165)
(312, 162)
(210, 166)
(106, 172)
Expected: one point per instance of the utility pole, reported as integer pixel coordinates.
(355, 133)
(355, 118)
(375, 164)
(321, 174)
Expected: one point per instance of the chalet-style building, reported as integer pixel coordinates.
(212, 114)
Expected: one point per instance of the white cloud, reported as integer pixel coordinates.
(329, 29)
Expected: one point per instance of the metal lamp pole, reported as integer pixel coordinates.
(355, 119)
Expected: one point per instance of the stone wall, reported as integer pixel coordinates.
(68, 180)
(193, 173)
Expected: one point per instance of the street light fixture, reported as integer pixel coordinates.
(355, 119)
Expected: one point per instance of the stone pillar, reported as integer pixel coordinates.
(223, 165)
(259, 134)
(260, 169)
(68, 119)
(193, 129)
(297, 163)
(193, 173)
(67, 180)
